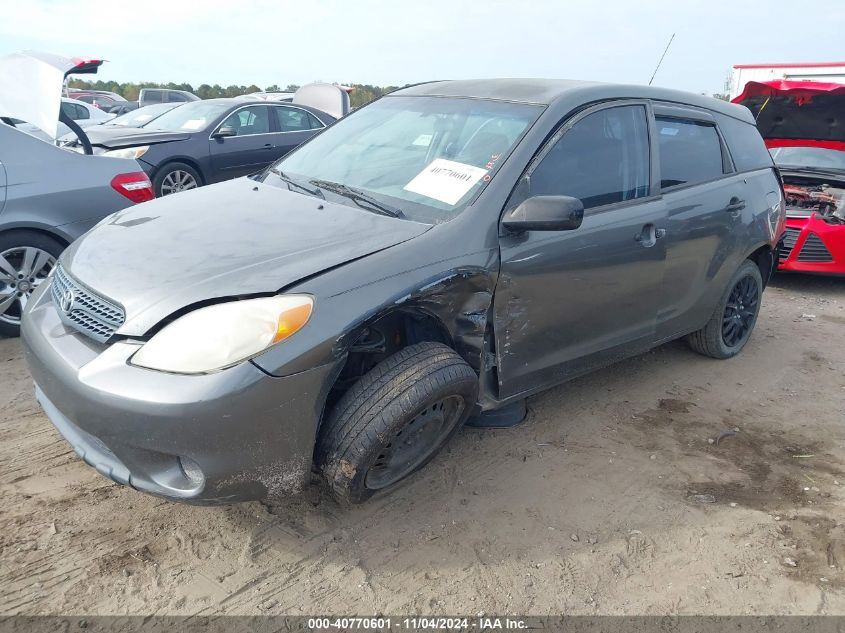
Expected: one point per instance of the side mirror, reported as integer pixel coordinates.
(225, 131)
(545, 213)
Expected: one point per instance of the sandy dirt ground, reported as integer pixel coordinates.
(669, 483)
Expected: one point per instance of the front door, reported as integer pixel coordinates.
(568, 301)
(250, 150)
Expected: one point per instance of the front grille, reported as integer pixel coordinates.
(789, 239)
(814, 250)
(84, 311)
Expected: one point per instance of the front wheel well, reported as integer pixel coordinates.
(382, 337)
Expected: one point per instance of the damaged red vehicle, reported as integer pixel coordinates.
(803, 125)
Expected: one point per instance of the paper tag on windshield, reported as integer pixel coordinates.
(423, 140)
(193, 124)
(445, 180)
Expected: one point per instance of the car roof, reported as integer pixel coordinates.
(547, 91)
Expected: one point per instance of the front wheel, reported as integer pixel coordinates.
(175, 177)
(26, 258)
(394, 420)
(730, 327)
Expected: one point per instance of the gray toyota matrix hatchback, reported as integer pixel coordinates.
(431, 259)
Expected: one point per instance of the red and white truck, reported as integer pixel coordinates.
(831, 72)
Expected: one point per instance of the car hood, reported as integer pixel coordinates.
(31, 86)
(233, 239)
(116, 136)
(797, 110)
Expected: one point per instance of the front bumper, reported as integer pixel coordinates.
(234, 435)
(812, 245)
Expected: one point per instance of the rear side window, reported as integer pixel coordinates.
(745, 144)
(154, 95)
(602, 159)
(295, 120)
(690, 152)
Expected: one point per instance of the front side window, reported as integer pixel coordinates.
(426, 156)
(248, 121)
(690, 152)
(602, 159)
(174, 97)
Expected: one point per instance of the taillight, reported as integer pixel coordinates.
(135, 186)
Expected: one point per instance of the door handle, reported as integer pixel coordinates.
(268, 146)
(735, 204)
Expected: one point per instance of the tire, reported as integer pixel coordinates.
(14, 247)
(713, 340)
(359, 450)
(165, 181)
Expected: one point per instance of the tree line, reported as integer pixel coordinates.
(360, 95)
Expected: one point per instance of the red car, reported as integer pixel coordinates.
(803, 124)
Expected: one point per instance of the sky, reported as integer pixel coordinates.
(381, 42)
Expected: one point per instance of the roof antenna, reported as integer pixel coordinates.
(661, 59)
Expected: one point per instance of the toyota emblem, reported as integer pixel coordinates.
(66, 301)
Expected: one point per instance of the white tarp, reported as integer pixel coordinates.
(31, 88)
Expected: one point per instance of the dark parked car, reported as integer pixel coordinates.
(202, 142)
(441, 253)
(149, 96)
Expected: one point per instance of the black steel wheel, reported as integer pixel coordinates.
(413, 443)
(394, 420)
(731, 324)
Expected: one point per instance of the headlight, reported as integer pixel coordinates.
(128, 152)
(222, 335)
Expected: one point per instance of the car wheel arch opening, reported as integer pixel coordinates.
(765, 259)
(380, 337)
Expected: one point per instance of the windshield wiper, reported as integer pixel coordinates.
(291, 182)
(359, 197)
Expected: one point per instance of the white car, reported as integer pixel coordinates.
(83, 113)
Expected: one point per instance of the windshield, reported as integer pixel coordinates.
(820, 157)
(189, 117)
(425, 156)
(141, 116)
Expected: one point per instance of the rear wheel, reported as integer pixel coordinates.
(26, 258)
(175, 177)
(394, 420)
(731, 325)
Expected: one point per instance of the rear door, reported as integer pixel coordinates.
(250, 150)
(706, 202)
(568, 301)
(292, 127)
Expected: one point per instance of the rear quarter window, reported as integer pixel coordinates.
(747, 148)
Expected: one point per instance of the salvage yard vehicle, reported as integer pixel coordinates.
(801, 122)
(48, 197)
(208, 141)
(435, 257)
